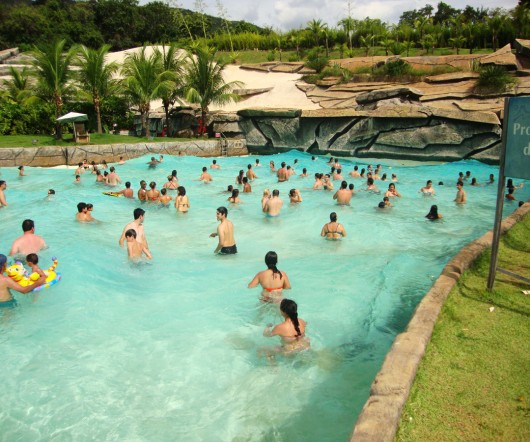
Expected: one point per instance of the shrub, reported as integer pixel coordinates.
(271, 56)
(494, 79)
(315, 60)
(396, 68)
(293, 58)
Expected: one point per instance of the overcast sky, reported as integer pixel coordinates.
(293, 14)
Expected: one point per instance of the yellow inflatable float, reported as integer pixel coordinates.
(17, 273)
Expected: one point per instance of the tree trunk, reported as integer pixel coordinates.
(97, 107)
(58, 109)
(166, 110)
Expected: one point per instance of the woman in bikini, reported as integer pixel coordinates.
(152, 194)
(182, 203)
(172, 183)
(392, 191)
(333, 229)
(291, 331)
(272, 280)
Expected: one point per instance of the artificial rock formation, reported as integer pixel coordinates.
(392, 123)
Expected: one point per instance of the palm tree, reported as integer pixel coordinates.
(204, 82)
(172, 63)
(316, 27)
(95, 77)
(52, 70)
(18, 88)
(348, 24)
(144, 81)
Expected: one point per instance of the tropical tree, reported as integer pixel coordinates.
(316, 28)
(457, 43)
(95, 77)
(172, 64)
(204, 82)
(144, 81)
(18, 88)
(51, 67)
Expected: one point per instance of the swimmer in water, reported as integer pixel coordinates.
(274, 204)
(234, 198)
(33, 262)
(142, 192)
(427, 190)
(214, 165)
(127, 192)
(164, 198)
(295, 196)
(266, 197)
(182, 204)
(343, 195)
(251, 175)
(225, 233)
(291, 331)
(152, 194)
(135, 249)
(272, 280)
(205, 177)
(392, 191)
(461, 197)
(3, 186)
(355, 172)
(433, 214)
(333, 229)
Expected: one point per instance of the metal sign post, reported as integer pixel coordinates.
(514, 162)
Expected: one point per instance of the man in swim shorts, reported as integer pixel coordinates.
(225, 232)
(7, 284)
(28, 242)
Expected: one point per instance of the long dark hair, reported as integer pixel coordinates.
(433, 213)
(271, 259)
(290, 308)
(240, 176)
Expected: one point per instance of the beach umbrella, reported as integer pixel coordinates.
(73, 117)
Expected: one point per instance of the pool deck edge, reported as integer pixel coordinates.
(379, 418)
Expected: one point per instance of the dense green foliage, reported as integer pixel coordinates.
(125, 23)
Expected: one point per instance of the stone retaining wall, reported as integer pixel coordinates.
(380, 415)
(59, 155)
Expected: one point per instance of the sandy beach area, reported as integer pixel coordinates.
(284, 93)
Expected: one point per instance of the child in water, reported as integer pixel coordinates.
(33, 260)
(134, 248)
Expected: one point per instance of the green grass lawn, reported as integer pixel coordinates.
(251, 57)
(49, 140)
(473, 383)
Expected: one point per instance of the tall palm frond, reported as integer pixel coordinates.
(51, 67)
(205, 83)
(95, 77)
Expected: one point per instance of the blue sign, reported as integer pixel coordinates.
(517, 127)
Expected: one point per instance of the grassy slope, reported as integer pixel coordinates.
(473, 383)
(48, 140)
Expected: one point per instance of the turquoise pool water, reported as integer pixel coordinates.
(168, 350)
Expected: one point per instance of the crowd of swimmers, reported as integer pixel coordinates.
(272, 281)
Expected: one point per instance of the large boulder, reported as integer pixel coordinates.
(502, 57)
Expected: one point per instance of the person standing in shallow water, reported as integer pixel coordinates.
(225, 233)
(272, 280)
(291, 331)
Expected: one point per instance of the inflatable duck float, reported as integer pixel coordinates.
(18, 273)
